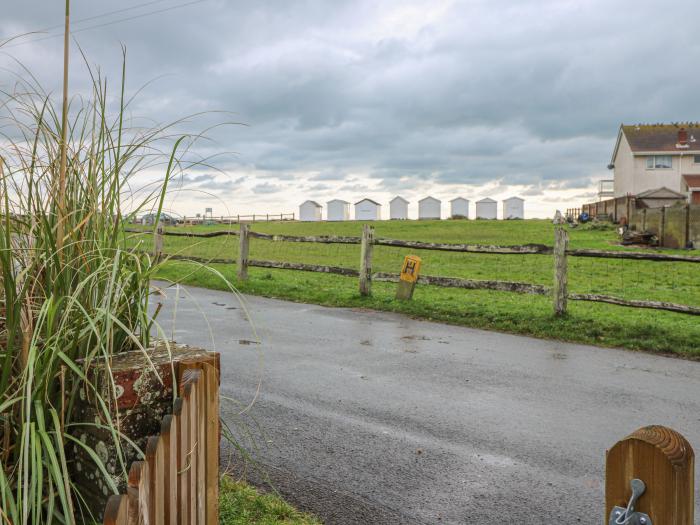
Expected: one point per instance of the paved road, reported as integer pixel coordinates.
(377, 418)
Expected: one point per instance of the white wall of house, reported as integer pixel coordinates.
(459, 207)
(486, 209)
(367, 210)
(632, 176)
(337, 210)
(398, 208)
(310, 211)
(429, 208)
(514, 208)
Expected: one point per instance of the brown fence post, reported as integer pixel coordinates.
(243, 249)
(560, 290)
(662, 464)
(662, 226)
(158, 241)
(366, 260)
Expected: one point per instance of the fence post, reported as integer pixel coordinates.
(243, 248)
(561, 241)
(158, 241)
(664, 461)
(366, 260)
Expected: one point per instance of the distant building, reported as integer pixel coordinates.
(429, 208)
(165, 219)
(367, 210)
(486, 209)
(650, 157)
(514, 208)
(459, 208)
(398, 208)
(337, 210)
(310, 211)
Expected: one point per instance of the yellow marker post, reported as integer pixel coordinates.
(408, 277)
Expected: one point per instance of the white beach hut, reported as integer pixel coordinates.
(514, 208)
(486, 209)
(459, 208)
(310, 211)
(367, 210)
(429, 208)
(338, 210)
(398, 208)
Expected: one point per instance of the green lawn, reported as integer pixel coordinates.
(241, 504)
(587, 322)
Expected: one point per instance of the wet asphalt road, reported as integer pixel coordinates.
(367, 417)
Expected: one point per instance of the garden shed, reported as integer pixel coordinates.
(367, 210)
(310, 211)
(514, 208)
(429, 208)
(338, 210)
(398, 208)
(486, 208)
(459, 208)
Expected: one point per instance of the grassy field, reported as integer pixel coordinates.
(241, 504)
(587, 322)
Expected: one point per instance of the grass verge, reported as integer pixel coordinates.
(241, 504)
(599, 324)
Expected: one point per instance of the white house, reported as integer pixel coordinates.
(337, 210)
(459, 208)
(367, 210)
(310, 211)
(514, 208)
(429, 208)
(486, 208)
(653, 156)
(398, 208)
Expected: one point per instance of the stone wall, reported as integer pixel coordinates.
(142, 395)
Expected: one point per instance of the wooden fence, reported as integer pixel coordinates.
(560, 251)
(177, 483)
(237, 219)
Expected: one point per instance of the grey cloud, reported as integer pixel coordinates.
(518, 91)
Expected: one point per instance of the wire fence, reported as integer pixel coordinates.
(628, 278)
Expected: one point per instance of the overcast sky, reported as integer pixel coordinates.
(355, 99)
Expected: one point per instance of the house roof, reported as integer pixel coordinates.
(429, 197)
(693, 181)
(399, 197)
(369, 200)
(659, 137)
(486, 199)
(514, 199)
(459, 199)
(660, 193)
(338, 200)
(312, 202)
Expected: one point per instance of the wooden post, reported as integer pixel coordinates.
(366, 260)
(158, 241)
(662, 226)
(560, 290)
(243, 249)
(664, 460)
(408, 277)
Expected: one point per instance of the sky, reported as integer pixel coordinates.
(353, 99)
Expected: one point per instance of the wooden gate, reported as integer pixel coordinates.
(177, 483)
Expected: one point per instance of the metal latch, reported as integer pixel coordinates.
(628, 516)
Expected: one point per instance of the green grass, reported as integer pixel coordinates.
(600, 324)
(241, 504)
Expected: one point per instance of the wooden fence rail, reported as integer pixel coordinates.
(177, 483)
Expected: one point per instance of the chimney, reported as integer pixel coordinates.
(683, 137)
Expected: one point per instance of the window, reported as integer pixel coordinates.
(696, 159)
(660, 162)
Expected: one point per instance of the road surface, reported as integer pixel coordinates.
(370, 417)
